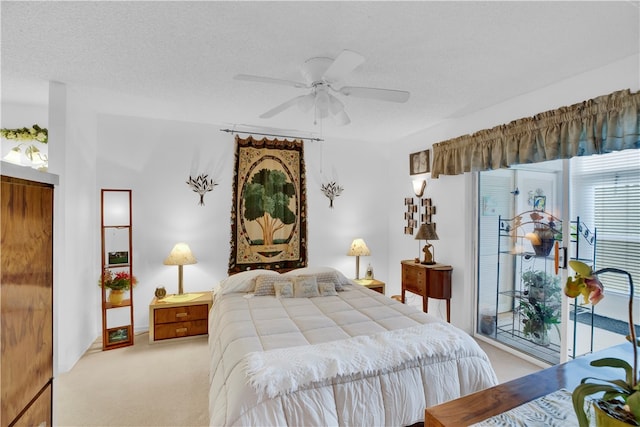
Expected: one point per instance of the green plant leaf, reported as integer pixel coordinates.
(616, 363)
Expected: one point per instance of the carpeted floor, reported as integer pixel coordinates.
(165, 384)
(161, 384)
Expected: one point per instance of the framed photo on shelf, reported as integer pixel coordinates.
(121, 257)
(118, 335)
(419, 162)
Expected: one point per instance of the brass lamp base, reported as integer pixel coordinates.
(180, 288)
(428, 256)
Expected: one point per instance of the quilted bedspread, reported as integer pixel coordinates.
(358, 358)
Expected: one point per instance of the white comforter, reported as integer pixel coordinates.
(358, 358)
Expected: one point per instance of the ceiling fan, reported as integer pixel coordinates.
(323, 77)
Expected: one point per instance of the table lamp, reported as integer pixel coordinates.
(427, 232)
(180, 255)
(358, 248)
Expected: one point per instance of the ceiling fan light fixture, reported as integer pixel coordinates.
(322, 103)
(321, 75)
(342, 119)
(335, 105)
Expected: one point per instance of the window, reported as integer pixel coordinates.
(606, 191)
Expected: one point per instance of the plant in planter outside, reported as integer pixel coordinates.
(541, 307)
(621, 398)
(544, 233)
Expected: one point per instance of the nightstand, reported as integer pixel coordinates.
(179, 316)
(375, 285)
(428, 281)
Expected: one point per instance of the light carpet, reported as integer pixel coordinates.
(165, 384)
(160, 384)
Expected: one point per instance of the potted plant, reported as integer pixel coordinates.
(117, 284)
(620, 401)
(544, 233)
(540, 306)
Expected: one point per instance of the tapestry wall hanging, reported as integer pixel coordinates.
(269, 209)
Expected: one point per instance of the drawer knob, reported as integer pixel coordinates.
(181, 314)
(181, 330)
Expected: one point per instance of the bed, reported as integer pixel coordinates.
(310, 347)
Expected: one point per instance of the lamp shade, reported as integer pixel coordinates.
(180, 255)
(426, 232)
(358, 248)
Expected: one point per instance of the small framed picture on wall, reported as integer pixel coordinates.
(539, 203)
(419, 162)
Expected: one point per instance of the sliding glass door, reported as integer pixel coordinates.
(533, 218)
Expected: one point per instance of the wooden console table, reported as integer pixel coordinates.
(428, 281)
(485, 404)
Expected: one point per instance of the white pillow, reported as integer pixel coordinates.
(283, 289)
(264, 284)
(241, 282)
(340, 279)
(305, 287)
(327, 289)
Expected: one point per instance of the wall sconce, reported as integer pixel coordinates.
(418, 186)
(180, 255)
(201, 185)
(427, 232)
(358, 248)
(332, 190)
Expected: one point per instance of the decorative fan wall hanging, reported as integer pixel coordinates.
(323, 77)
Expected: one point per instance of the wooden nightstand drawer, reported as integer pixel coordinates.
(181, 314)
(413, 279)
(180, 329)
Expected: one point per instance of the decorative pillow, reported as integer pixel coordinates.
(324, 274)
(327, 289)
(264, 284)
(242, 282)
(284, 289)
(305, 287)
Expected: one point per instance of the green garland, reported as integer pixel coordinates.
(34, 133)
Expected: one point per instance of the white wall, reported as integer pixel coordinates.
(454, 196)
(154, 158)
(72, 155)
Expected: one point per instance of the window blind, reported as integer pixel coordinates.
(606, 195)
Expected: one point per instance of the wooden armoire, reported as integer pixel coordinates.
(26, 296)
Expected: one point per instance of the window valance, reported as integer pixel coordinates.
(599, 125)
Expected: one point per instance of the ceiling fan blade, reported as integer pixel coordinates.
(344, 63)
(261, 79)
(280, 108)
(375, 93)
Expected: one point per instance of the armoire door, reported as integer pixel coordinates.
(26, 300)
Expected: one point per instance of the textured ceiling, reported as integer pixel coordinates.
(177, 59)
